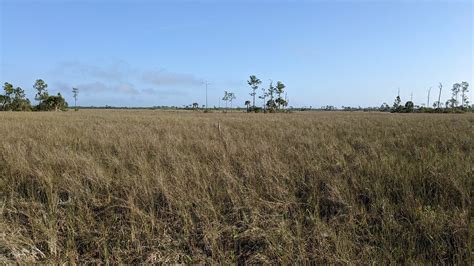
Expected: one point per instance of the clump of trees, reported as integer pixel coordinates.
(229, 97)
(451, 105)
(274, 94)
(14, 99)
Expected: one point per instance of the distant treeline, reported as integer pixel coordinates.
(452, 105)
(416, 109)
(14, 99)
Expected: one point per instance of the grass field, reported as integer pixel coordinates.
(154, 186)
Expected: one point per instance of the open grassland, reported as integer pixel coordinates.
(155, 186)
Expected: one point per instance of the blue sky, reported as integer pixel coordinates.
(145, 53)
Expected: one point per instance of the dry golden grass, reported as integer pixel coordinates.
(154, 186)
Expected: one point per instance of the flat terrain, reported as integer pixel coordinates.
(160, 186)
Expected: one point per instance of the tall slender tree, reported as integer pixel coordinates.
(40, 86)
(75, 92)
(464, 91)
(396, 104)
(280, 89)
(231, 98)
(9, 90)
(270, 92)
(264, 98)
(440, 86)
(455, 92)
(254, 82)
(428, 103)
(225, 98)
(7, 98)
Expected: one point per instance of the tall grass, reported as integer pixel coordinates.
(155, 186)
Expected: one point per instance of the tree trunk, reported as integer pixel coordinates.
(254, 93)
(439, 97)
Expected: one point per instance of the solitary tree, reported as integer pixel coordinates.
(40, 86)
(54, 102)
(263, 97)
(396, 104)
(428, 103)
(254, 82)
(270, 92)
(231, 98)
(6, 99)
(49, 102)
(226, 98)
(195, 105)
(455, 91)
(464, 91)
(75, 92)
(440, 86)
(409, 107)
(280, 89)
(247, 103)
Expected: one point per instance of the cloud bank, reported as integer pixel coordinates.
(120, 77)
(162, 78)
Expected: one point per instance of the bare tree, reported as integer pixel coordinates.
(439, 96)
(428, 104)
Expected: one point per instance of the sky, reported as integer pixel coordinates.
(153, 53)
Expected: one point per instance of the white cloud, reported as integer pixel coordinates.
(117, 70)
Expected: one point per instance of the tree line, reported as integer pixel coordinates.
(273, 100)
(451, 105)
(14, 99)
(274, 94)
